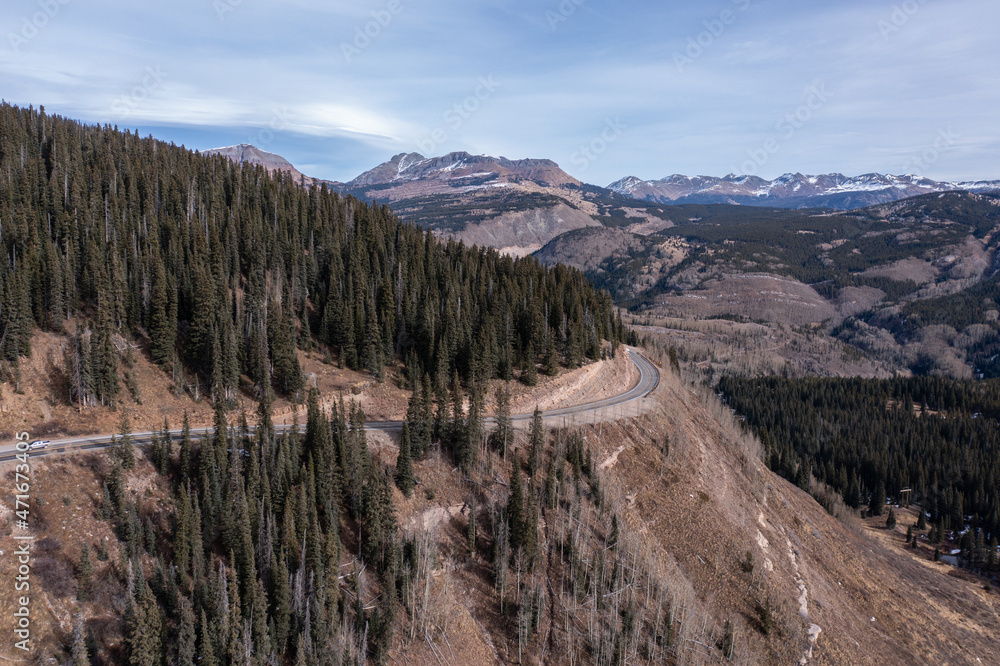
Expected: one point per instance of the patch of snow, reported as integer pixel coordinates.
(454, 165)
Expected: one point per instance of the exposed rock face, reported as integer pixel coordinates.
(411, 174)
(523, 232)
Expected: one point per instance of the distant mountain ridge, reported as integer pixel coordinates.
(407, 174)
(791, 190)
(518, 206)
(513, 205)
(245, 153)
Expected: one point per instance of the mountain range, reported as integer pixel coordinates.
(514, 205)
(411, 175)
(791, 190)
(448, 193)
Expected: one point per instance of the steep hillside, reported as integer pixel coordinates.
(225, 274)
(138, 272)
(743, 537)
(657, 538)
(626, 264)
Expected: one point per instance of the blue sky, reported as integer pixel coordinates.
(607, 89)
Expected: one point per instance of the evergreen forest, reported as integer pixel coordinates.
(870, 438)
(224, 271)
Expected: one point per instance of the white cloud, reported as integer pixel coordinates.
(606, 60)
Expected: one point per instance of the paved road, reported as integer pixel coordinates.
(649, 379)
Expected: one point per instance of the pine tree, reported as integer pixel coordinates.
(457, 434)
(207, 641)
(162, 329)
(890, 521)
(186, 457)
(166, 449)
(529, 371)
(78, 368)
(183, 542)
(143, 626)
(537, 443)
(197, 343)
(473, 430)
(573, 348)
(551, 485)
(417, 421)
(404, 465)
(550, 362)
(230, 364)
(84, 574)
(877, 502)
(218, 390)
(105, 360)
(288, 377)
(515, 508)
(470, 532)
(125, 451)
(378, 519)
(282, 596)
(502, 431)
(186, 647)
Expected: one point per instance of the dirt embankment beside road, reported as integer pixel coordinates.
(43, 409)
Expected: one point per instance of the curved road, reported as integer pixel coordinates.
(649, 379)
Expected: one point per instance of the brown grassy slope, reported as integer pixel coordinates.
(727, 538)
(42, 406)
(65, 496)
(687, 522)
(713, 504)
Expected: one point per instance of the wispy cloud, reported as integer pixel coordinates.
(227, 75)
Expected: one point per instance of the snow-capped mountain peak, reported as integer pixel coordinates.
(791, 190)
(458, 166)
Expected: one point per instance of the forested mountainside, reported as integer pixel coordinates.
(868, 439)
(225, 270)
(909, 286)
